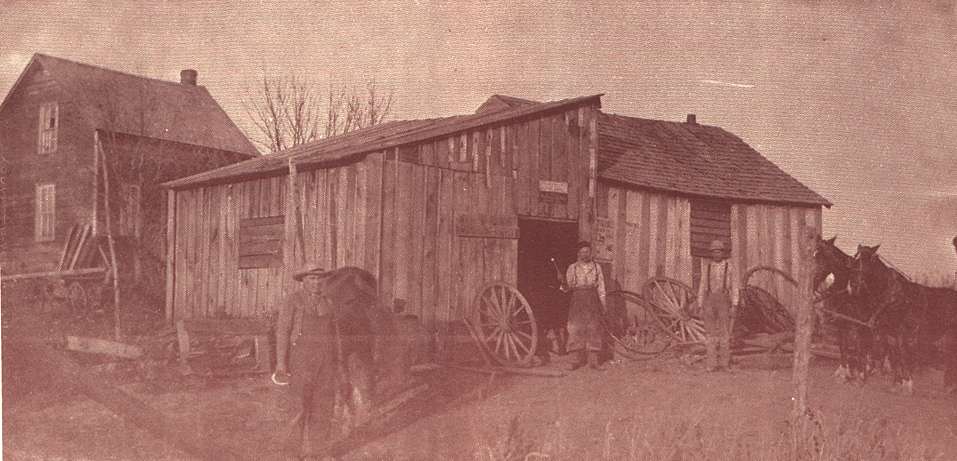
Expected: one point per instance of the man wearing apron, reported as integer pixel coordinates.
(716, 298)
(306, 330)
(587, 284)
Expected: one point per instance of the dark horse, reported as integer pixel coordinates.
(855, 340)
(907, 317)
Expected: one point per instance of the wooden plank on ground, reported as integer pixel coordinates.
(102, 346)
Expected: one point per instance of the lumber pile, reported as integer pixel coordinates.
(234, 345)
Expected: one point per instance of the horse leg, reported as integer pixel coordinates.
(844, 366)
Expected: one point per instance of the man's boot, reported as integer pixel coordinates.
(580, 361)
(593, 360)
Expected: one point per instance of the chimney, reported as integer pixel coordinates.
(187, 77)
(691, 118)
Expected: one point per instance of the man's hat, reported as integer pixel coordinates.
(716, 245)
(583, 244)
(308, 269)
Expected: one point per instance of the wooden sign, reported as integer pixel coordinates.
(476, 225)
(553, 187)
(552, 198)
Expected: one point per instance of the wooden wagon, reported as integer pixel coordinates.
(639, 325)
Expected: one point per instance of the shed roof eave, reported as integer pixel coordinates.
(735, 199)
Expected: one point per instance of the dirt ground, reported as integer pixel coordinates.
(654, 409)
(627, 410)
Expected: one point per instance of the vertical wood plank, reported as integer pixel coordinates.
(403, 240)
(416, 241)
(171, 231)
(389, 218)
(373, 217)
(572, 168)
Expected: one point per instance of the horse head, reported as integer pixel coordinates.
(863, 268)
(829, 259)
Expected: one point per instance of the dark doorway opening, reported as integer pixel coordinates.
(545, 249)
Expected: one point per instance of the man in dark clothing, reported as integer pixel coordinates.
(307, 332)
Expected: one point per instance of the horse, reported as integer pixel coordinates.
(855, 340)
(904, 314)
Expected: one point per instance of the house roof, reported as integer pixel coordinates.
(499, 102)
(692, 159)
(124, 103)
(372, 139)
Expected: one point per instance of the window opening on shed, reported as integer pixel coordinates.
(260, 242)
(49, 115)
(45, 213)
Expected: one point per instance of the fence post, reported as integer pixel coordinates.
(804, 325)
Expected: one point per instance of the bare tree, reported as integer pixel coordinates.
(288, 111)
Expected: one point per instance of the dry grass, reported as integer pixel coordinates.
(857, 436)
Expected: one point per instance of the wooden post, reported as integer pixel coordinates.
(289, 241)
(117, 331)
(170, 253)
(804, 325)
(96, 179)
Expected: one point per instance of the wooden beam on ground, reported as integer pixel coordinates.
(133, 410)
(251, 327)
(34, 275)
(509, 370)
(102, 346)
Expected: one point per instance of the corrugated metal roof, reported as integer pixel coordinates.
(693, 159)
(372, 139)
(140, 106)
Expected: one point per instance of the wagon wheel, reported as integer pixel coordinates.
(767, 300)
(675, 305)
(78, 297)
(505, 324)
(635, 332)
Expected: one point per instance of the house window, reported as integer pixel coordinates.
(130, 213)
(45, 213)
(49, 115)
(260, 242)
(710, 221)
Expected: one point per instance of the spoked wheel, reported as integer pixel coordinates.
(635, 331)
(505, 324)
(676, 306)
(765, 287)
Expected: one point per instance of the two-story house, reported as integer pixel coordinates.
(70, 132)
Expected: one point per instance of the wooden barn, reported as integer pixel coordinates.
(85, 149)
(435, 208)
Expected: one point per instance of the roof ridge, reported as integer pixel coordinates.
(120, 72)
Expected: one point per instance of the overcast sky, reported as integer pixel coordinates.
(857, 100)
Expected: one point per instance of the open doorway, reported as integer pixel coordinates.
(546, 248)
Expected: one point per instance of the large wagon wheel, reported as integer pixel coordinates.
(505, 324)
(635, 332)
(676, 306)
(767, 300)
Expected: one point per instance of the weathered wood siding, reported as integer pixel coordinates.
(394, 213)
(771, 235)
(645, 234)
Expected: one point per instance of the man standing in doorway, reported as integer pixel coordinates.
(306, 331)
(587, 284)
(716, 297)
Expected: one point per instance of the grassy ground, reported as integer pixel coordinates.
(651, 410)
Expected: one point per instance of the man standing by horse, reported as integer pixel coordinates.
(716, 297)
(305, 330)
